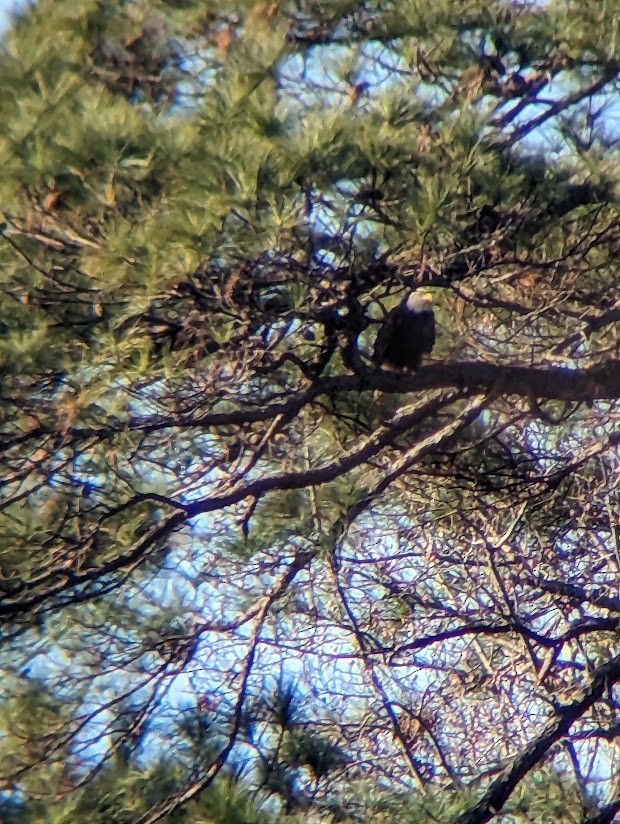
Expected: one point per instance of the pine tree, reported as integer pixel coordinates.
(245, 575)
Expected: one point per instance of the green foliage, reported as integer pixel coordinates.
(205, 209)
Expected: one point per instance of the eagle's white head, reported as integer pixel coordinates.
(419, 302)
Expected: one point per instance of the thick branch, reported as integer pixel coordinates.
(344, 463)
(596, 597)
(559, 106)
(28, 596)
(606, 815)
(549, 383)
(541, 383)
(502, 787)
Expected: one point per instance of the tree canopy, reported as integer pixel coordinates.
(245, 575)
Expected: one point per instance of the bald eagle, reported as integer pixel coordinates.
(408, 332)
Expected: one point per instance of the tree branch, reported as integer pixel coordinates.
(502, 787)
(601, 382)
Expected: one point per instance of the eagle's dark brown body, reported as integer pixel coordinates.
(408, 333)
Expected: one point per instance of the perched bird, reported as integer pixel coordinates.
(408, 332)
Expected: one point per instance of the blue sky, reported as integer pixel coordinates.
(5, 8)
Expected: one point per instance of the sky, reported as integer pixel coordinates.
(5, 8)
